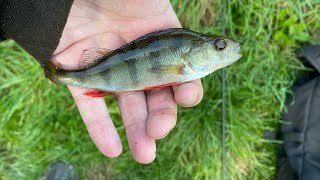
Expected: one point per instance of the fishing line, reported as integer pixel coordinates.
(224, 167)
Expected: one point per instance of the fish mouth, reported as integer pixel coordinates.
(233, 54)
(238, 55)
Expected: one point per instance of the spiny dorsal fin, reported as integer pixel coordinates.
(91, 56)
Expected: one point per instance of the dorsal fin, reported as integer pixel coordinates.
(91, 56)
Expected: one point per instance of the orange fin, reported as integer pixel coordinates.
(171, 69)
(97, 93)
(91, 56)
(160, 86)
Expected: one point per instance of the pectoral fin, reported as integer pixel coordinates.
(91, 56)
(182, 68)
(169, 69)
(97, 93)
(160, 86)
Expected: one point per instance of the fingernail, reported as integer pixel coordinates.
(163, 136)
(189, 99)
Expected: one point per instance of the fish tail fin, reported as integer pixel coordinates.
(50, 71)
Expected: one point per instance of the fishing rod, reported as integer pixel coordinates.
(224, 166)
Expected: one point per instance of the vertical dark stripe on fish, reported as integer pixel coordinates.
(79, 77)
(174, 43)
(106, 76)
(155, 62)
(133, 71)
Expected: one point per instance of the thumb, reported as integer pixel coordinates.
(69, 58)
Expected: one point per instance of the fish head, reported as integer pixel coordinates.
(222, 53)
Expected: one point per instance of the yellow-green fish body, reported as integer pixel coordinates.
(157, 59)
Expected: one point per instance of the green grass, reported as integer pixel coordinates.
(40, 124)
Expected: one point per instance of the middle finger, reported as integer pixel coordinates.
(134, 113)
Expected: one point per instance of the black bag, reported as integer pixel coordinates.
(299, 155)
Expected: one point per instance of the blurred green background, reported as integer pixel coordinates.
(39, 122)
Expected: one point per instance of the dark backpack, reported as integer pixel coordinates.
(299, 155)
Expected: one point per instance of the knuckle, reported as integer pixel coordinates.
(94, 126)
(127, 98)
(152, 91)
(169, 113)
(133, 126)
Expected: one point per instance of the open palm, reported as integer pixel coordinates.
(147, 115)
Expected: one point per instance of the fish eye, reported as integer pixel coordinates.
(220, 44)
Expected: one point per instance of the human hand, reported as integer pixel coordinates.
(147, 116)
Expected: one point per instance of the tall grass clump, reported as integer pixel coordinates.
(39, 122)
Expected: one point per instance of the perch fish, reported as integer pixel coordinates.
(159, 59)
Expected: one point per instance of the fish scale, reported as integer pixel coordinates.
(132, 73)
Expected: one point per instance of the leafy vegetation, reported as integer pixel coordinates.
(39, 122)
